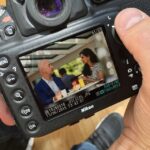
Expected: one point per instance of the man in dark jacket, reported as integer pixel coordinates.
(49, 87)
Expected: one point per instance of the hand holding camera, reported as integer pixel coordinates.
(132, 26)
(137, 30)
(58, 32)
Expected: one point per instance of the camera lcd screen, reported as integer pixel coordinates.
(70, 73)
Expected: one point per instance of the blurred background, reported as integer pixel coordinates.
(3, 2)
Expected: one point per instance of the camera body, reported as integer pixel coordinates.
(27, 37)
(33, 18)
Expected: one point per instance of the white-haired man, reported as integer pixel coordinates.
(49, 87)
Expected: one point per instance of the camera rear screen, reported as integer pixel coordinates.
(68, 74)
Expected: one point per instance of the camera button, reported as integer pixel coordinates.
(131, 76)
(4, 62)
(10, 30)
(11, 78)
(130, 70)
(135, 87)
(137, 69)
(18, 95)
(26, 111)
(32, 125)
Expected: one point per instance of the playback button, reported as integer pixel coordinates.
(11, 78)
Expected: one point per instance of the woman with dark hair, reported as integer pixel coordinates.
(86, 70)
(89, 58)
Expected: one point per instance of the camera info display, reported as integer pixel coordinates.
(70, 73)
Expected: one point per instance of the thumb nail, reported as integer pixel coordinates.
(134, 20)
(130, 17)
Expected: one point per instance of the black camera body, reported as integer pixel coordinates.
(28, 35)
(32, 19)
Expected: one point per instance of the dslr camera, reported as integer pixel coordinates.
(62, 61)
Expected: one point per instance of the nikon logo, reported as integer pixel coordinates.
(87, 108)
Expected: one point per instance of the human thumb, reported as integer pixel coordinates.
(133, 27)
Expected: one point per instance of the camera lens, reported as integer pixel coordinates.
(49, 13)
(50, 8)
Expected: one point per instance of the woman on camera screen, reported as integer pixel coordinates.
(89, 58)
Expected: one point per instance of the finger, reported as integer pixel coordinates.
(5, 114)
(129, 110)
(133, 27)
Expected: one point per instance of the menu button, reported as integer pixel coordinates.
(11, 78)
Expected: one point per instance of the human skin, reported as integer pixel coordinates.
(133, 27)
(5, 115)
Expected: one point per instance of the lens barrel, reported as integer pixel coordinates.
(49, 13)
